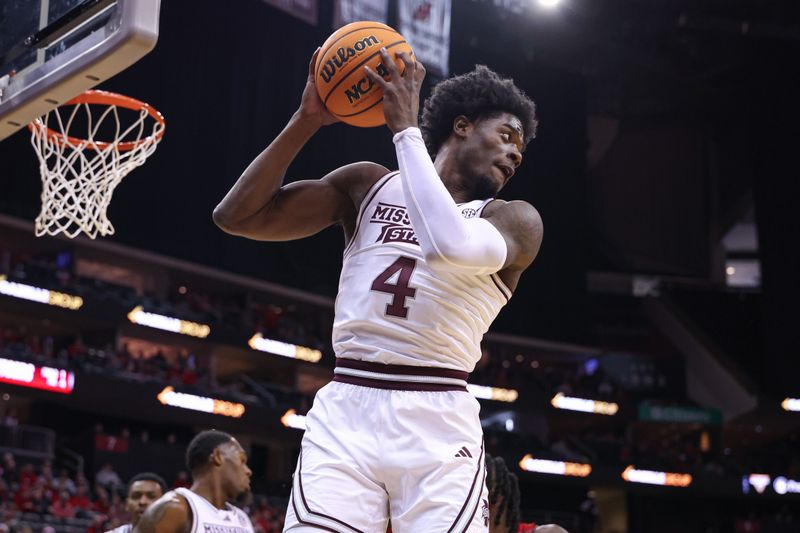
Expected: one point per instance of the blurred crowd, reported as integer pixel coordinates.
(175, 367)
(35, 497)
(234, 312)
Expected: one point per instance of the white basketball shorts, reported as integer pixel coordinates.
(388, 442)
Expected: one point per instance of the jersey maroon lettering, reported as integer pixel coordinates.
(400, 290)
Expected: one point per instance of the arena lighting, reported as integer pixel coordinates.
(652, 477)
(291, 419)
(760, 482)
(550, 4)
(493, 393)
(559, 468)
(560, 401)
(257, 342)
(791, 404)
(140, 317)
(35, 377)
(36, 294)
(781, 485)
(168, 396)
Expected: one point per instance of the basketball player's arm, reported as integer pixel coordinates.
(260, 207)
(169, 514)
(521, 227)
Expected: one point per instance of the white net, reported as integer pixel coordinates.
(79, 175)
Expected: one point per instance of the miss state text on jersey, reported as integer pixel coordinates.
(213, 528)
(392, 308)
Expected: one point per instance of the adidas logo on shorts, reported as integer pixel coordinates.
(463, 452)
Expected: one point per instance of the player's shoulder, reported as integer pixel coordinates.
(170, 510)
(515, 211)
(356, 179)
(521, 225)
(359, 174)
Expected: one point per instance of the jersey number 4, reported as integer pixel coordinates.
(399, 290)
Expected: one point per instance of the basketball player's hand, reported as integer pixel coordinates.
(400, 91)
(311, 106)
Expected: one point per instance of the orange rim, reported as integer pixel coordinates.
(103, 98)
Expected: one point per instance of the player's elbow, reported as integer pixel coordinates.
(223, 219)
(463, 258)
(441, 258)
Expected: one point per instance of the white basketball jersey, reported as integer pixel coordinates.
(208, 519)
(393, 309)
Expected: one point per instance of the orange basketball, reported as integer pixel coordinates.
(339, 74)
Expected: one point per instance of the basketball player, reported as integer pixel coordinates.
(503, 486)
(220, 473)
(430, 259)
(504, 498)
(143, 490)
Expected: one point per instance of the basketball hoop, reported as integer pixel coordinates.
(80, 172)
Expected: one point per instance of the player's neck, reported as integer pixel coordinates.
(211, 491)
(447, 168)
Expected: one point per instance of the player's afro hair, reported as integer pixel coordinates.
(148, 476)
(201, 447)
(478, 94)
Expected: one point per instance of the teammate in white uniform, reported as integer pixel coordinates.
(143, 490)
(430, 260)
(218, 464)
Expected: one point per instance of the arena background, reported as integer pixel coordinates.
(667, 128)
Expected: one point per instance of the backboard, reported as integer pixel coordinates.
(53, 50)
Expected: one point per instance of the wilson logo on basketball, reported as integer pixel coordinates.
(343, 55)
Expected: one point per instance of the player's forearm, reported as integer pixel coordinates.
(262, 179)
(448, 240)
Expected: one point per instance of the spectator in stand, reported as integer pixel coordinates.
(23, 498)
(46, 474)
(266, 519)
(588, 512)
(98, 524)
(61, 508)
(102, 502)
(11, 419)
(181, 480)
(41, 501)
(81, 501)
(117, 513)
(9, 468)
(27, 473)
(64, 482)
(81, 481)
(107, 477)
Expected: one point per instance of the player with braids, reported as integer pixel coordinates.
(504, 500)
(504, 497)
(431, 257)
